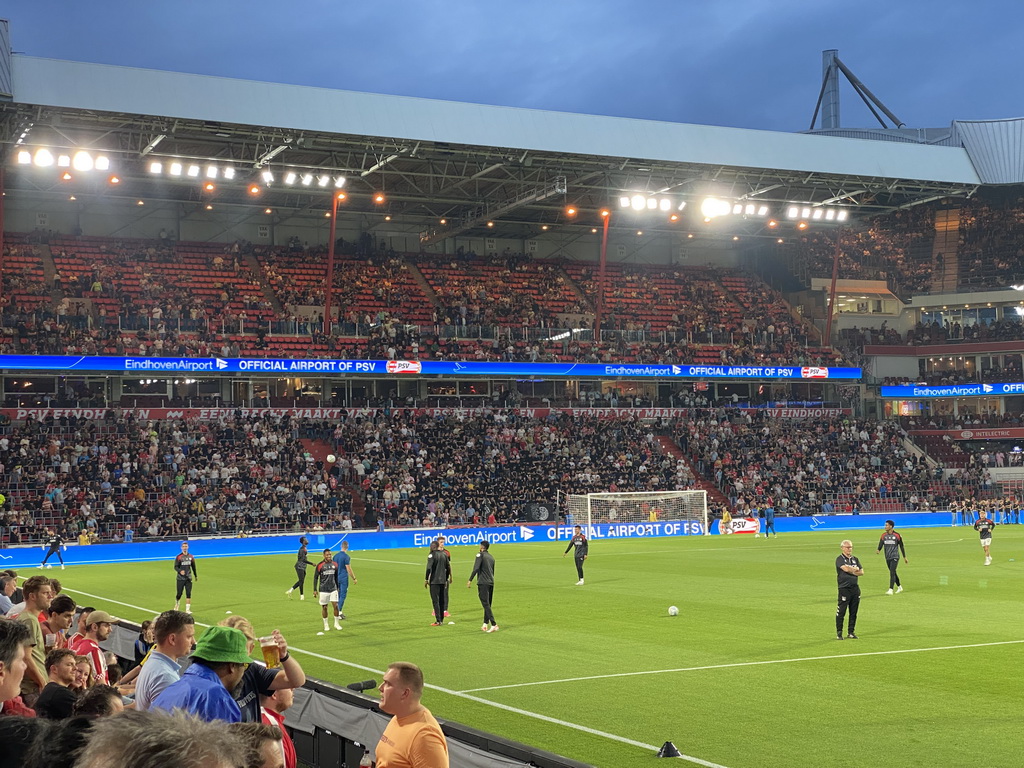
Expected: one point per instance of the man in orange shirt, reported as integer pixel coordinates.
(413, 738)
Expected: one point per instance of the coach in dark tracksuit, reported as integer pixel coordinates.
(483, 566)
(439, 572)
(848, 569)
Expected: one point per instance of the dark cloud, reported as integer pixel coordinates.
(745, 63)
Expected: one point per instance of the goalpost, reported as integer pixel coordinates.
(639, 507)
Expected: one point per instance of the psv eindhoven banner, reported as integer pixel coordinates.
(739, 525)
(320, 414)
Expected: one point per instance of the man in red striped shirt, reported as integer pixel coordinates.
(97, 629)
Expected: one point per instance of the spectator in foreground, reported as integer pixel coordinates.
(15, 638)
(262, 744)
(218, 663)
(37, 598)
(156, 740)
(57, 699)
(174, 632)
(97, 629)
(413, 737)
(272, 710)
(99, 701)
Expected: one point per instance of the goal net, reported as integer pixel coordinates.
(641, 507)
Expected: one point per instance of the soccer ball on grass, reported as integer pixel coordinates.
(673, 610)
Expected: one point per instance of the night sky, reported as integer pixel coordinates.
(743, 63)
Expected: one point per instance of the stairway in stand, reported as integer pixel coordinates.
(320, 450)
(669, 446)
(945, 251)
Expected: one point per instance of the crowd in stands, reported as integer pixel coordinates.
(895, 247)
(125, 478)
(60, 691)
(991, 233)
(799, 467)
(482, 469)
(139, 297)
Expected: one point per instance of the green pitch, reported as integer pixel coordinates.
(748, 675)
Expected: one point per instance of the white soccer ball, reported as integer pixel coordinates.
(673, 610)
(757, 535)
(227, 612)
(331, 458)
(49, 566)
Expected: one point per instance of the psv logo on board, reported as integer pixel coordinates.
(814, 373)
(404, 366)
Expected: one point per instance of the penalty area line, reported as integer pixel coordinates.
(741, 664)
(458, 694)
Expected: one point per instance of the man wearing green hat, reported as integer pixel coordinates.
(204, 690)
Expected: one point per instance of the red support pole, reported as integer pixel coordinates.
(599, 308)
(329, 290)
(3, 192)
(832, 291)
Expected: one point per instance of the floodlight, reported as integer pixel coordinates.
(830, 215)
(818, 214)
(254, 189)
(43, 158)
(842, 216)
(193, 171)
(228, 173)
(682, 205)
(290, 177)
(665, 204)
(66, 176)
(623, 202)
(605, 213)
(102, 163)
(378, 198)
(339, 182)
(805, 213)
(323, 181)
(211, 172)
(156, 167)
(209, 186)
(737, 209)
(762, 211)
(637, 201)
(267, 177)
(175, 169)
(712, 207)
(652, 204)
(307, 179)
(24, 157)
(750, 209)
(64, 161)
(792, 212)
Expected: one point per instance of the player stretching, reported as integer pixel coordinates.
(55, 542)
(185, 571)
(301, 562)
(893, 544)
(984, 526)
(327, 588)
(579, 541)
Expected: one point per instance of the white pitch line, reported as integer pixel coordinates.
(457, 694)
(741, 664)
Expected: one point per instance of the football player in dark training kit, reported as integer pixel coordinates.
(984, 525)
(848, 569)
(185, 571)
(55, 542)
(582, 547)
(892, 542)
(483, 567)
(301, 562)
(437, 577)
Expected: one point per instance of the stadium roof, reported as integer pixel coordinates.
(468, 163)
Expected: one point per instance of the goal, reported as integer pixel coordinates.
(641, 507)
